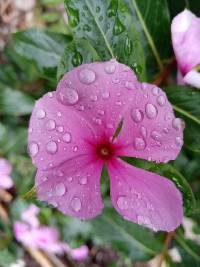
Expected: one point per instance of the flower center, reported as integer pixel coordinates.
(104, 151)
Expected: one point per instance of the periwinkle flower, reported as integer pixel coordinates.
(186, 42)
(5, 174)
(72, 135)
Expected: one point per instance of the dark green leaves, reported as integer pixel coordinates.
(134, 241)
(186, 104)
(76, 53)
(153, 23)
(109, 28)
(15, 103)
(40, 48)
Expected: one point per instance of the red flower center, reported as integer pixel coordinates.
(105, 150)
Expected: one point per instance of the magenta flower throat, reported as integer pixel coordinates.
(72, 135)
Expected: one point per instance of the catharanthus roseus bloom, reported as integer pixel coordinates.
(5, 172)
(30, 233)
(72, 135)
(186, 42)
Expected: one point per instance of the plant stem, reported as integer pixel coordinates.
(164, 74)
(166, 245)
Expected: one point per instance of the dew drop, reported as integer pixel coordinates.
(60, 189)
(101, 112)
(155, 135)
(75, 148)
(51, 125)
(87, 76)
(83, 180)
(128, 46)
(94, 98)
(110, 68)
(122, 203)
(34, 149)
(105, 95)
(161, 100)
(68, 96)
(129, 85)
(69, 179)
(143, 131)
(51, 147)
(67, 137)
(60, 129)
(179, 141)
(155, 91)
(118, 27)
(178, 124)
(76, 204)
(137, 115)
(50, 94)
(151, 111)
(139, 143)
(40, 114)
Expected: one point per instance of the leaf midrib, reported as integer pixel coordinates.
(100, 29)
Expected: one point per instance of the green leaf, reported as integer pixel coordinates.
(171, 173)
(15, 103)
(131, 239)
(186, 103)
(109, 28)
(41, 50)
(153, 22)
(77, 52)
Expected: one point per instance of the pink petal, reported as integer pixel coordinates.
(192, 78)
(150, 130)
(5, 166)
(30, 216)
(144, 197)
(5, 181)
(186, 40)
(56, 133)
(80, 254)
(73, 187)
(100, 92)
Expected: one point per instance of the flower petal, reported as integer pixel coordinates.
(192, 78)
(73, 187)
(150, 131)
(30, 216)
(5, 166)
(144, 197)
(186, 40)
(56, 133)
(5, 181)
(100, 92)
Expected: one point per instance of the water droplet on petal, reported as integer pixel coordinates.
(161, 100)
(51, 125)
(94, 98)
(67, 137)
(155, 135)
(139, 143)
(50, 94)
(115, 80)
(110, 68)
(60, 189)
(179, 141)
(70, 179)
(87, 76)
(130, 85)
(51, 147)
(60, 129)
(122, 203)
(155, 91)
(101, 112)
(34, 149)
(83, 180)
(151, 111)
(137, 115)
(76, 204)
(143, 220)
(105, 95)
(75, 148)
(68, 96)
(40, 114)
(178, 124)
(143, 131)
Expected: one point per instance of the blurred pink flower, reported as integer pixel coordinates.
(5, 172)
(31, 234)
(72, 135)
(186, 42)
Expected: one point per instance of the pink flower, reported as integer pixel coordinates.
(186, 42)
(5, 171)
(31, 234)
(72, 135)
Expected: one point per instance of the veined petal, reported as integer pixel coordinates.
(145, 198)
